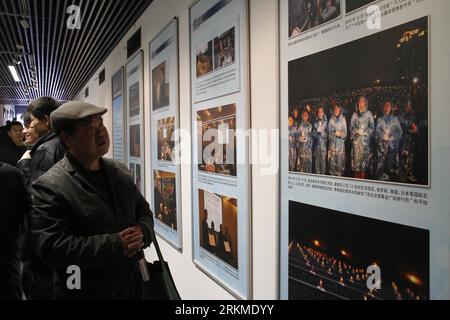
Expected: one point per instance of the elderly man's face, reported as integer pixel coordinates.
(91, 139)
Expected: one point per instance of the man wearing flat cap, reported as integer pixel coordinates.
(87, 213)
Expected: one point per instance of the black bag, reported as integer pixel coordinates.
(161, 285)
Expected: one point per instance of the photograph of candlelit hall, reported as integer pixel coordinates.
(216, 130)
(165, 129)
(224, 49)
(307, 14)
(165, 198)
(330, 251)
(361, 110)
(204, 60)
(160, 87)
(218, 218)
(352, 5)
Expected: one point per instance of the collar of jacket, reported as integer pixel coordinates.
(75, 169)
(49, 136)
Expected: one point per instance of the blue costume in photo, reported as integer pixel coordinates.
(361, 128)
(304, 163)
(320, 136)
(337, 130)
(388, 135)
(294, 138)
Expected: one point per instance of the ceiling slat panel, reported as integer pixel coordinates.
(64, 59)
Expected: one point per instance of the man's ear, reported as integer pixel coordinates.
(66, 140)
(47, 121)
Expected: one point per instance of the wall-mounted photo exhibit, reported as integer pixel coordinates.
(135, 119)
(218, 217)
(220, 117)
(216, 54)
(362, 116)
(305, 15)
(165, 195)
(353, 5)
(165, 123)
(219, 122)
(118, 114)
(330, 253)
(367, 125)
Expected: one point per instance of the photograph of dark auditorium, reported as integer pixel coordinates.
(330, 252)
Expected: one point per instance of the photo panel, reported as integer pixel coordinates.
(365, 118)
(160, 86)
(218, 123)
(305, 15)
(166, 144)
(165, 123)
(330, 253)
(165, 196)
(218, 217)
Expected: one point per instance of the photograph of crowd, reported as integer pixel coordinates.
(165, 198)
(224, 49)
(217, 127)
(352, 5)
(165, 129)
(160, 87)
(134, 100)
(307, 14)
(204, 59)
(330, 253)
(219, 230)
(135, 141)
(361, 110)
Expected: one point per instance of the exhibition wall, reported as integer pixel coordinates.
(263, 25)
(296, 212)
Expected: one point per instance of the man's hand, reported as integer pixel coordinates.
(132, 240)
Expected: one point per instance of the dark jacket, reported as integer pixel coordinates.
(75, 223)
(45, 154)
(10, 153)
(14, 205)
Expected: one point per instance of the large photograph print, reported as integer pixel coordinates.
(217, 140)
(307, 14)
(218, 226)
(330, 253)
(361, 110)
(165, 196)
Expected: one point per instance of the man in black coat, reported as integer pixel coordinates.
(37, 277)
(48, 150)
(14, 205)
(88, 213)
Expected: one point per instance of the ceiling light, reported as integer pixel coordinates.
(17, 61)
(14, 73)
(24, 23)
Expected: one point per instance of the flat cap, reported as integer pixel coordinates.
(71, 112)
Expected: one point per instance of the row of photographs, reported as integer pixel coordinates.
(305, 15)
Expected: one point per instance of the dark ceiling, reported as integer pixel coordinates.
(55, 60)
